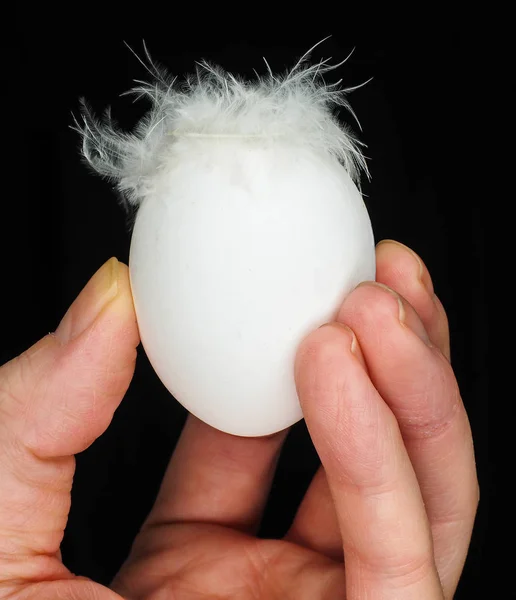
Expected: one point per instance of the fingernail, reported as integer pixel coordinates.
(354, 347)
(97, 293)
(423, 275)
(413, 322)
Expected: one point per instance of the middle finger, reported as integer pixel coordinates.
(214, 477)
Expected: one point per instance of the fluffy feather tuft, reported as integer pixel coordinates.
(297, 106)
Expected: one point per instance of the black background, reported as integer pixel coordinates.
(60, 222)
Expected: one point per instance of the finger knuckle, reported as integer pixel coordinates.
(402, 568)
(433, 412)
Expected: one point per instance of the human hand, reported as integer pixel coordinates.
(395, 498)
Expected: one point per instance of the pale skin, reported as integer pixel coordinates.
(389, 514)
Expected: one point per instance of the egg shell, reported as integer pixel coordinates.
(239, 251)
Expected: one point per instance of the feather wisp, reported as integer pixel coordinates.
(298, 107)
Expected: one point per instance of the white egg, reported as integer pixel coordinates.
(249, 234)
(238, 255)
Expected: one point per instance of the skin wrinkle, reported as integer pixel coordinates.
(259, 568)
(41, 568)
(436, 467)
(415, 567)
(333, 452)
(427, 428)
(20, 365)
(19, 546)
(411, 574)
(43, 500)
(384, 567)
(359, 448)
(57, 471)
(331, 586)
(27, 363)
(49, 490)
(414, 428)
(43, 539)
(31, 433)
(70, 410)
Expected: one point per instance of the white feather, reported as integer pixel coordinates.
(297, 107)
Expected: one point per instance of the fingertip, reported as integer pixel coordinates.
(115, 318)
(329, 358)
(123, 301)
(396, 261)
(123, 277)
(374, 308)
(101, 289)
(78, 382)
(323, 344)
(347, 338)
(441, 329)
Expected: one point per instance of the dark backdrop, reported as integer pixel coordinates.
(60, 223)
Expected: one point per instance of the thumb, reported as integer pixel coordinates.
(55, 400)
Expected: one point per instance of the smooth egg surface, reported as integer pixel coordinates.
(237, 253)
